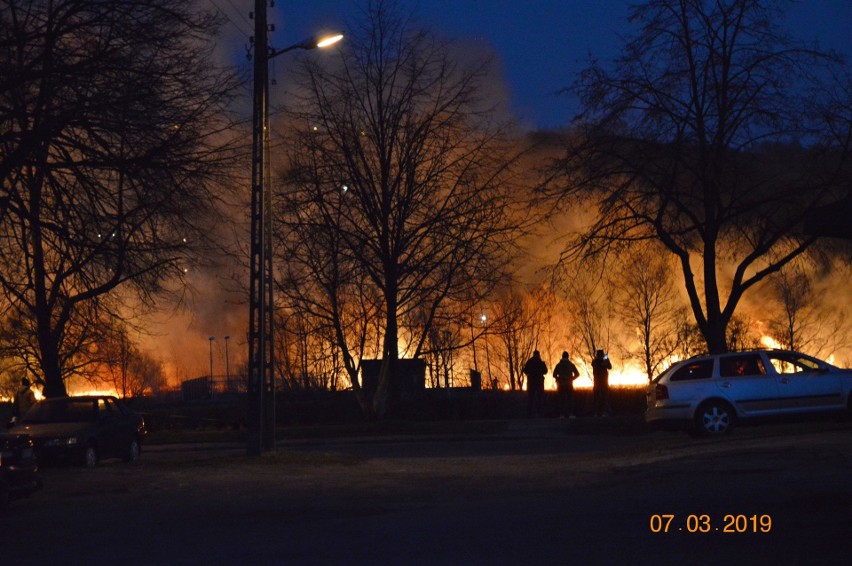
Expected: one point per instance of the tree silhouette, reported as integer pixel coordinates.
(399, 178)
(714, 134)
(647, 303)
(798, 321)
(110, 115)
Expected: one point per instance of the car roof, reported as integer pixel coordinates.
(737, 352)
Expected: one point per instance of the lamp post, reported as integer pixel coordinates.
(484, 320)
(227, 363)
(261, 381)
(210, 383)
(211, 357)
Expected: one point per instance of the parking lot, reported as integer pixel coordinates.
(533, 492)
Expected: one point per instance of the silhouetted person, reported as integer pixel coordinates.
(24, 399)
(535, 370)
(565, 373)
(600, 372)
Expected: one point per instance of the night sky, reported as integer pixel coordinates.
(540, 44)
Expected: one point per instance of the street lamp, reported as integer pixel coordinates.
(484, 320)
(211, 358)
(261, 381)
(227, 363)
(210, 383)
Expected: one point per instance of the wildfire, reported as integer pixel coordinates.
(627, 376)
(39, 396)
(80, 393)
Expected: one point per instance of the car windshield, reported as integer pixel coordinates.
(61, 411)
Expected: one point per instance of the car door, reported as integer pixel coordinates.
(804, 384)
(744, 381)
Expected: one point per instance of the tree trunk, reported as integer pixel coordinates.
(714, 333)
(54, 386)
(390, 355)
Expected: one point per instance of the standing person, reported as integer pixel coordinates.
(24, 399)
(565, 373)
(600, 371)
(535, 370)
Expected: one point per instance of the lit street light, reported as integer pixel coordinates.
(261, 380)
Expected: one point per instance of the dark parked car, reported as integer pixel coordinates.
(83, 429)
(18, 467)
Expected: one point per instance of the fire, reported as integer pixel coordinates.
(80, 393)
(629, 375)
(771, 342)
(39, 396)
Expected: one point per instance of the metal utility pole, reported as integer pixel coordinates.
(261, 381)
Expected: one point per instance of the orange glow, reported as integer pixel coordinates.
(80, 393)
(629, 375)
(770, 342)
(39, 396)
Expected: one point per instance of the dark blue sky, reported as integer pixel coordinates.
(540, 44)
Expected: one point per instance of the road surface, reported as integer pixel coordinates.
(538, 492)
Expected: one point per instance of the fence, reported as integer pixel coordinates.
(203, 388)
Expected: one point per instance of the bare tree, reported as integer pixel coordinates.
(589, 294)
(442, 343)
(396, 156)
(714, 134)
(690, 342)
(520, 324)
(800, 322)
(110, 114)
(742, 334)
(307, 352)
(81, 352)
(120, 363)
(648, 305)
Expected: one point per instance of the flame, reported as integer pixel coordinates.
(771, 342)
(39, 396)
(629, 375)
(80, 393)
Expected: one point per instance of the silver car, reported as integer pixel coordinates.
(709, 393)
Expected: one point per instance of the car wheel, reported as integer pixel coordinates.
(90, 456)
(714, 418)
(133, 451)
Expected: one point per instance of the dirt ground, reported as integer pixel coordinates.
(533, 492)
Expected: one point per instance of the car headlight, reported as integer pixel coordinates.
(61, 441)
